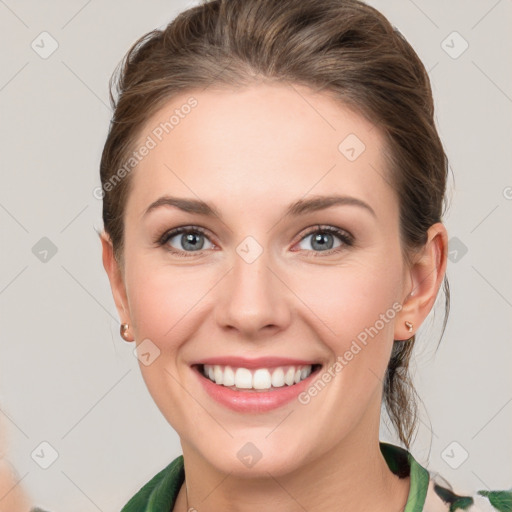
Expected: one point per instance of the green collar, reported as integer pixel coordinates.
(160, 493)
(403, 464)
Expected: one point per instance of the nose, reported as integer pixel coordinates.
(253, 299)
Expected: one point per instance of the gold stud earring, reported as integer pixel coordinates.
(409, 326)
(124, 332)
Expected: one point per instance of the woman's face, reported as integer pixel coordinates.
(260, 281)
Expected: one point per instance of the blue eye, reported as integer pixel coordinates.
(191, 240)
(324, 239)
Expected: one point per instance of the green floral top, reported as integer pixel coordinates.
(428, 492)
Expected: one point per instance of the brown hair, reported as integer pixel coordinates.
(341, 47)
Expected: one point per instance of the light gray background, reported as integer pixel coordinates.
(67, 378)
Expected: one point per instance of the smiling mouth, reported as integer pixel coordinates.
(258, 379)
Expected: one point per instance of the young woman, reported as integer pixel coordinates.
(273, 197)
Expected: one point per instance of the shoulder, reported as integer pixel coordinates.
(441, 497)
(430, 492)
(159, 494)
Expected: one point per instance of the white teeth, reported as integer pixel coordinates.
(218, 374)
(261, 378)
(289, 378)
(243, 378)
(229, 376)
(278, 378)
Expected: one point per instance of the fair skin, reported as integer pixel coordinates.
(12, 495)
(251, 153)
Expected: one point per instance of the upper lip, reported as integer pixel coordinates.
(260, 362)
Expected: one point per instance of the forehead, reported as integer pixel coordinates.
(259, 142)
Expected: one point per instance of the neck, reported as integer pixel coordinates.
(353, 476)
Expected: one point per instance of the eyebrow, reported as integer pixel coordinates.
(300, 207)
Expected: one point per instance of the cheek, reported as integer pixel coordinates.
(346, 300)
(166, 306)
(164, 299)
(354, 308)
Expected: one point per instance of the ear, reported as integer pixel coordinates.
(115, 277)
(424, 278)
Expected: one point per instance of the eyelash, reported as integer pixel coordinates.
(346, 239)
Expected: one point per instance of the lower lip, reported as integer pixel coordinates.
(254, 401)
